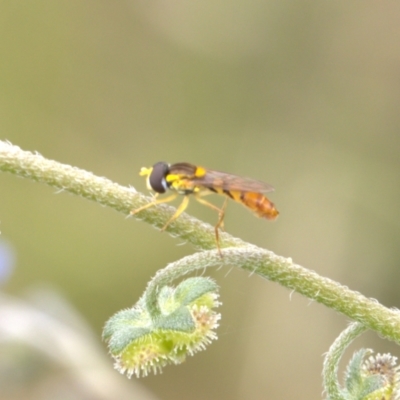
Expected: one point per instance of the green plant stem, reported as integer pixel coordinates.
(101, 190)
(332, 359)
(236, 252)
(282, 270)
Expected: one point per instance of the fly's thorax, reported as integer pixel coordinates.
(180, 185)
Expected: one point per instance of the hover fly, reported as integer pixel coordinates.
(186, 179)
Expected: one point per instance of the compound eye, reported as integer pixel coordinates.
(157, 177)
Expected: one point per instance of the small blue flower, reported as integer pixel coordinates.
(7, 261)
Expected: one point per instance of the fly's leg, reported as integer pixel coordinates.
(220, 223)
(154, 203)
(178, 212)
(221, 215)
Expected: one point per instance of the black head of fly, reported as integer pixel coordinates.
(156, 179)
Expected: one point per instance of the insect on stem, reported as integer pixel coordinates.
(185, 179)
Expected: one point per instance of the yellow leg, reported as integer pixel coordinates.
(178, 212)
(154, 203)
(221, 214)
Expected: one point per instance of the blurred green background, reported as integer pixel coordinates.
(302, 95)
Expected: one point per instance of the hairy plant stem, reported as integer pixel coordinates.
(332, 359)
(235, 251)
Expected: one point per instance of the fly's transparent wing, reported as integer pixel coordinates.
(230, 182)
